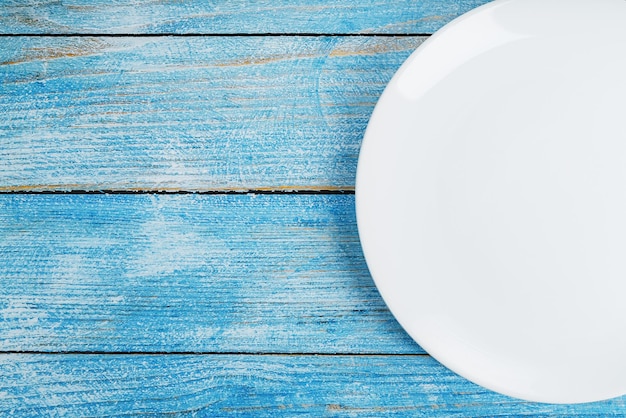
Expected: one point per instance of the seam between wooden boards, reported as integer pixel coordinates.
(210, 353)
(182, 192)
(209, 35)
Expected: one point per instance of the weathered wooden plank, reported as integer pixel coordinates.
(239, 16)
(216, 385)
(188, 113)
(201, 273)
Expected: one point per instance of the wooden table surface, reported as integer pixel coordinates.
(177, 226)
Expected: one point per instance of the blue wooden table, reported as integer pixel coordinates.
(177, 227)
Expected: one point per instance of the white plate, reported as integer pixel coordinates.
(491, 198)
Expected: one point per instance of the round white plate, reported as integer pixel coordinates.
(491, 198)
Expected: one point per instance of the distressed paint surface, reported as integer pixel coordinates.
(232, 16)
(176, 113)
(209, 273)
(86, 385)
(243, 279)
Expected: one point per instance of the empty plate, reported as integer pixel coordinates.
(491, 198)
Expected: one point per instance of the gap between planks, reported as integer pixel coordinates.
(210, 35)
(337, 191)
(212, 353)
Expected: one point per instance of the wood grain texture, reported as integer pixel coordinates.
(188, 273)
(232, 16)
(178, 113)
(243, 279)
(218, 385)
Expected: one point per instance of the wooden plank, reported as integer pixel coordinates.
(171, 113)
(239, 16)
(216, 385)
(188, 273)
